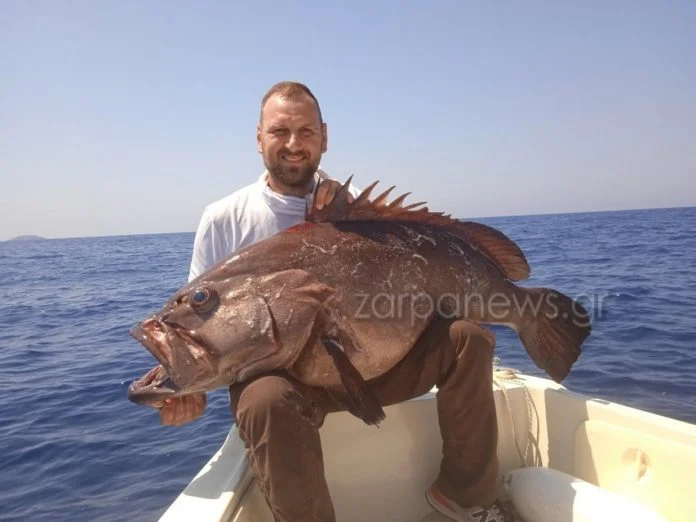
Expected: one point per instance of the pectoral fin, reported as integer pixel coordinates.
(362, 400)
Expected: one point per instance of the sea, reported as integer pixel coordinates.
(72, 447)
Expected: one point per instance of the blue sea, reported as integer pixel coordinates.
(74, 448)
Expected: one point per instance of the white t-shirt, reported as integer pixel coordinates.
(250, 214)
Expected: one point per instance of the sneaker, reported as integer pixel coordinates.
(496, 512)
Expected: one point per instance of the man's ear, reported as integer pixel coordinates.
(259, 147)
(324, 138)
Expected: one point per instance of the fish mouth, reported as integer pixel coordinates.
(162, 381)
(179, 371)
(154, 386)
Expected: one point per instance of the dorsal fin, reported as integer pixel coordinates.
(501, 250)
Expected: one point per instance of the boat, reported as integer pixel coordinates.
(627, 454)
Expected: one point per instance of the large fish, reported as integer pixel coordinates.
(342, 298)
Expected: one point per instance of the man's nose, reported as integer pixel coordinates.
(293, 141)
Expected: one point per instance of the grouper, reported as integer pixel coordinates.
(342, 297)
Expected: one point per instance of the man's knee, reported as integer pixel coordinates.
(272, 397)
(468, 336)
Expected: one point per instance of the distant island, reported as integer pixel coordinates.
(27, 238)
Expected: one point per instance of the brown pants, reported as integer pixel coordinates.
(279, 420)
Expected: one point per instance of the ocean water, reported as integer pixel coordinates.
(74, 448)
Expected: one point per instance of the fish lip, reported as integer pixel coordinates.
(139, 332)
(151, 387)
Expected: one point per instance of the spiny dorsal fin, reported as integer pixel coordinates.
(491, 242)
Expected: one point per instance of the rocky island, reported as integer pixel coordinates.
(27, 238)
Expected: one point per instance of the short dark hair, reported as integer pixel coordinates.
(289, 90)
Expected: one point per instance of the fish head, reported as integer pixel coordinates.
(216, 333)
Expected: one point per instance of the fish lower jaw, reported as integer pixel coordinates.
(153, 386)
(154, 377)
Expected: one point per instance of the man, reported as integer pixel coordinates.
(277, 416)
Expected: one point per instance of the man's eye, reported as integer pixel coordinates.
(307, 133)
(279, 132)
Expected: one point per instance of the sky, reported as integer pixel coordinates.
(129, 117)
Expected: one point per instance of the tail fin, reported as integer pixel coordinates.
(553, 331)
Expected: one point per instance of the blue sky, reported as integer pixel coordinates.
(129, 117)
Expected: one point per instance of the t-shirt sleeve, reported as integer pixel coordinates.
(203, 256)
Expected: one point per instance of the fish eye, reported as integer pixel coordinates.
(200, 296)
(202, 299)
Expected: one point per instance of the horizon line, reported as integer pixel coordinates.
(39, 237)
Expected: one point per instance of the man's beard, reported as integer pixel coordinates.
(292, 175)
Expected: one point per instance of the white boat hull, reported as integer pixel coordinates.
(382, 474)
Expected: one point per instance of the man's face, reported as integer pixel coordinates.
(291, 139)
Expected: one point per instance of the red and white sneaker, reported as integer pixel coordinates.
(496, 512)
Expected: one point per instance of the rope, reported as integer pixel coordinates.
(500, 375)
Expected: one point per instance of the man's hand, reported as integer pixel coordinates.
(326, 191)
(181, 410)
